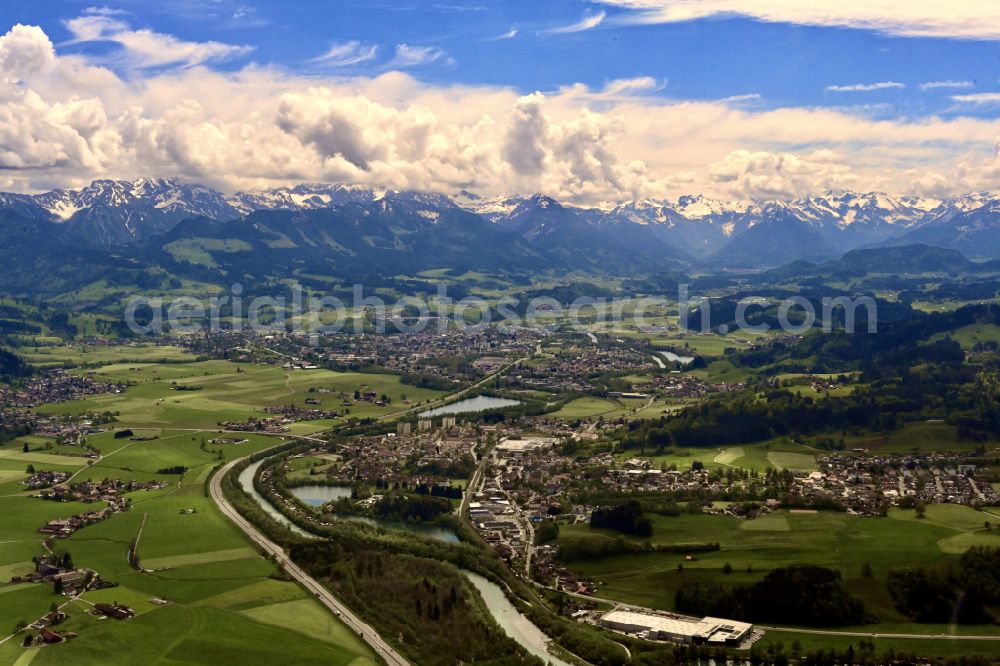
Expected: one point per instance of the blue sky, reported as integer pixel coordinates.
(898, 62)
(707, 59)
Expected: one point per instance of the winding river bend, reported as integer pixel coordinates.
(513, 623)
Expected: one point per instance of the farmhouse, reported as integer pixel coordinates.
(115, 611)
(708, 630)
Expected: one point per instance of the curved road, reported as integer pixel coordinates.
(324, 595)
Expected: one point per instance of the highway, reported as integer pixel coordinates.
(369, 635)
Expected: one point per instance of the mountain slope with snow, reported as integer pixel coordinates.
(114, 213)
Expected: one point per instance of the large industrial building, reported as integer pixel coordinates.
(706, 631)
(518, 448)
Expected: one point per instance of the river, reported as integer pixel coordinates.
(246, 480)
(515, 625)
(507, 616)
(478, 404)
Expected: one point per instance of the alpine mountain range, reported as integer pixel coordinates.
(344, 229)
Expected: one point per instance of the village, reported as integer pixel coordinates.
(53, 386)
(110, 491)
(447, 355)
(868, 482)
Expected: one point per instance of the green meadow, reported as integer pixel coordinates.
(80, 354)
(221, 590)
(752, 547)
(225, 391)
(226, 602)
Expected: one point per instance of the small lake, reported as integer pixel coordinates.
(478, 404)
(317, 495)
(674, 358)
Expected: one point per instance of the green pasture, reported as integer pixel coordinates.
(227, 391)
(752, 547)
(219, 586)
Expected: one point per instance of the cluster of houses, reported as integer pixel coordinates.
(867, 483)
(63, 528)
(417, 352)
(111, 491)
(60, 572)
(567, 370)
(406, 353)
(69, 429)
(676, 385)
(55, 386)
(47, 635)
(45, 479)
(497, 521)
(273, 425)
(291, 413)
(407, 458)
(504, 519)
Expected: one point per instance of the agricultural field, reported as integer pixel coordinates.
(752, 547)
(90, 355)
(922, 437)
(777, 454)
(225, 391)
(226, 603)
(221, 590)
(970, 336)
(590, 407)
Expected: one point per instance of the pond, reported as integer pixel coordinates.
(478, 404)
(674, 358)
(317, 495)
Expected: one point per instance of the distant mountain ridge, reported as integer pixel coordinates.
(113, 215)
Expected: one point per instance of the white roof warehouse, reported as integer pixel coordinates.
(708, 630)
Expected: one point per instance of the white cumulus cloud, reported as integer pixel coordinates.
(67, 119)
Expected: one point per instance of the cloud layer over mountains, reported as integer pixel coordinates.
(157, 107)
